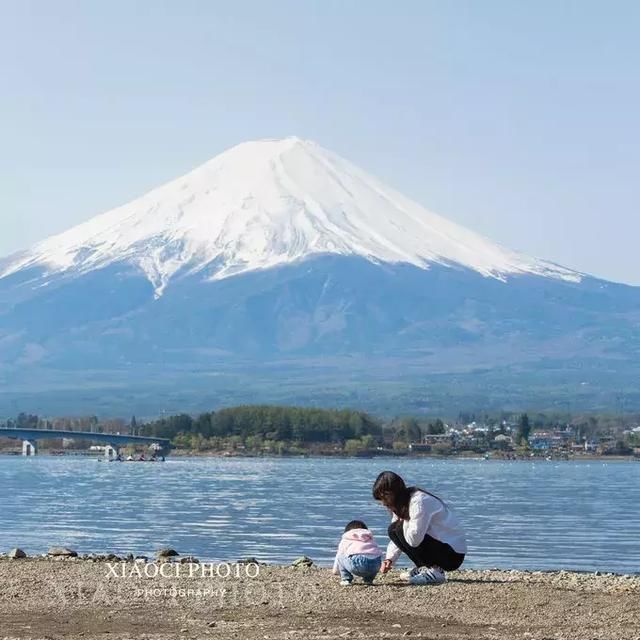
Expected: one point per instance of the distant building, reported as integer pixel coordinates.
(436, 438)
(591, 446)
(502, 441)
(540, 442)
(476, 427)
(545, 440)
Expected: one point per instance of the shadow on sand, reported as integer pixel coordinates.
(401, 584)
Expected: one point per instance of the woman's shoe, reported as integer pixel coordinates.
(428, 576)
(407, 575)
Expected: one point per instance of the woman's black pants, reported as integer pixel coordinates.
(429, 552)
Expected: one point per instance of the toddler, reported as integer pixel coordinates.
(358, 554)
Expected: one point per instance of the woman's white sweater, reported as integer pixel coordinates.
(429, 516)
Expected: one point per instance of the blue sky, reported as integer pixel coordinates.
(517, 119)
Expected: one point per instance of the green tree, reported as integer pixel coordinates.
(368, 442)
(436, 428)
(524, 430)
(353, 445)
(408, 431)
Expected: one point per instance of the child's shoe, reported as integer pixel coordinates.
(345, 583)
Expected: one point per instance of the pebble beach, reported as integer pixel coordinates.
(94, 598)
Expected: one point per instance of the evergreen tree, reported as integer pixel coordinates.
(409, 431)
(436, 428)
(524, 429)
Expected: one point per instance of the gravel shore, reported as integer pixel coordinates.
(79, 599)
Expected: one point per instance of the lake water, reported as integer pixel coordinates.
(521, 515)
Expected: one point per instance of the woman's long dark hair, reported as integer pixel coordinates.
(390, 489)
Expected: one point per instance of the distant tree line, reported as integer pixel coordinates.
(286, 430)
(278, 423)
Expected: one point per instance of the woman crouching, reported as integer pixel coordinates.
(423, 527)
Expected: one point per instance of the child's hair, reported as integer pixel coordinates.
(355, 524)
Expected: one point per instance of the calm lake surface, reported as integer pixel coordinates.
(520, 515)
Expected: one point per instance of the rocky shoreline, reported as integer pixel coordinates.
(104, 596)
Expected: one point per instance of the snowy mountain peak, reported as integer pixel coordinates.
(267, 203)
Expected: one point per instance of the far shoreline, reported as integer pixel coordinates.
(182, 454)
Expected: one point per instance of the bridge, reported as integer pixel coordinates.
(112, 441)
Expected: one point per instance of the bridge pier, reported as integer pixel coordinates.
(29, 448)
(111, 452)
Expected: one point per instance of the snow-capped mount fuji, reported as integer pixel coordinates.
(265, 204)
(279, 271)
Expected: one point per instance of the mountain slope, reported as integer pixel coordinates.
(282, 272)
(265, 204)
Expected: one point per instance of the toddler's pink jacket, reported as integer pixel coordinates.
(357, 541)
